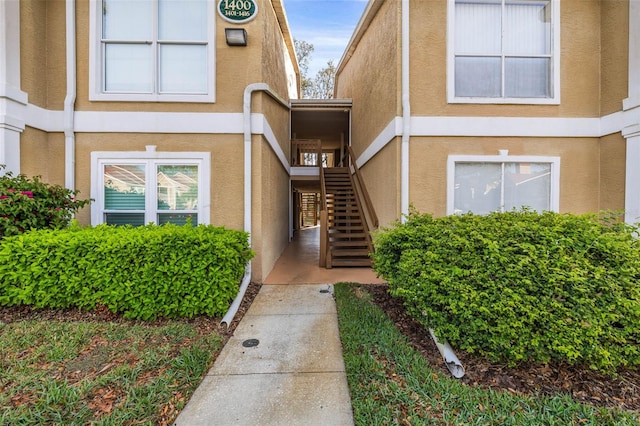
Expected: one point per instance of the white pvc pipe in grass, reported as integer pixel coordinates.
(450, 359)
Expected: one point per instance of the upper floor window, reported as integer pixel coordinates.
(152, 50)
(485, 184)
(503, 51)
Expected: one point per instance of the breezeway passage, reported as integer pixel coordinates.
(284, 363)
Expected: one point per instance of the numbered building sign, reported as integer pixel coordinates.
(238, 11)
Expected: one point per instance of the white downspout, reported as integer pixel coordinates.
(406, 115)
(70, 99)
(248, 172)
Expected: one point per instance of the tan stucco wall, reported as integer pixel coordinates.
(613, 154)
(615, 54)
(42, 154)
(226, 183)
(371, 77)
(580, 64)
(579, 168)
(235, 68)
(42, 47)
(270, 233)
(266, 59)
(382, 178)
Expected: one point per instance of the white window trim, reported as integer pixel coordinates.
(554, 195)
(96, 66)
(555, 65)
(100, 158)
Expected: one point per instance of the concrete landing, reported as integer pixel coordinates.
(295, 373)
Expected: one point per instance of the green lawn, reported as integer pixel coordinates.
(392, 384)
(126, 372)
(98, 372)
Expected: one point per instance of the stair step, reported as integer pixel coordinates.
(349, 245)
(348, 241)
(349, 252)
(351, 262)
(347, 228)
(344, 235)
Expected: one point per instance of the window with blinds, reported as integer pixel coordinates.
(485, 184)
(150, 191)
(503, 49)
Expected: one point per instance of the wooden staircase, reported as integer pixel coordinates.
(348, 239)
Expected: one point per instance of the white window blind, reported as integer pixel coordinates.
(152, 50)
(484, 184)
(135, 194)
(503, 49)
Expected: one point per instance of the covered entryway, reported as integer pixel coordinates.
(298, 264)
(327, 189)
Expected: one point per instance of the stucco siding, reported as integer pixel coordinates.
(371, 77)
(33, 51)
(235, 68)
(226, 185)
(382, 178)
(612, 172)
(271, 205)
(615, 54)
(42, 154)
(579, 64)
(579, 167)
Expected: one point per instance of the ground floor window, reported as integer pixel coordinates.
(134, 189)
(484, 184)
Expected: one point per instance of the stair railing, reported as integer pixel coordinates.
(370, 214)
(325, 253)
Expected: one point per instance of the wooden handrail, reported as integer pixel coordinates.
(302, 146)
(363, 189)
(324, 217)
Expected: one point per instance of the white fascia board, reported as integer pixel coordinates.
(505, 126)
(301, 172)
(44, 119)
(157, 122)
(611, 123)
(11, 114)
(631, 123)
(391, 131)
(267, 131)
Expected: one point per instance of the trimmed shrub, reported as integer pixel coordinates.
(27, 204)
(520, 286)
(145, 272)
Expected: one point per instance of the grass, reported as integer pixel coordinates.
(392, 384)
(102, 373)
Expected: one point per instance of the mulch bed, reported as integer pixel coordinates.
(204, 324)
(528, 379)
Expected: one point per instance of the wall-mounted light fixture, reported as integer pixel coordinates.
(236, 36)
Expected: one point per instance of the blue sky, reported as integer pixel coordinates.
(327, 24)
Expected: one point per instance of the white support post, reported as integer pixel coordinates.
(631, 107)
(12, 99)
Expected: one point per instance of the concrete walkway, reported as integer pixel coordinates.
(283, 365)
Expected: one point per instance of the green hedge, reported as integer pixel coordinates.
(521, 286)
(145, 272)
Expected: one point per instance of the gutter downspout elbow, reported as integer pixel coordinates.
(70, 98)
(450, 359)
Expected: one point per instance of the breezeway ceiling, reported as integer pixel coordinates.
(325, 119)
